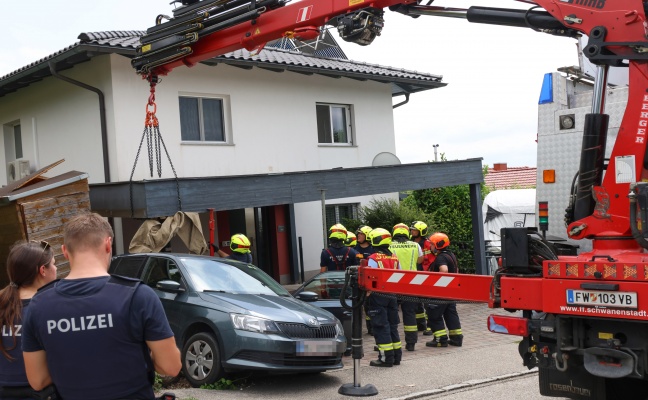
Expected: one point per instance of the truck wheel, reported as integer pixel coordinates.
(201, 362)
(626, 389)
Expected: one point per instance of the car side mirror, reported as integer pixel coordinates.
(169, 286)
(307, 296)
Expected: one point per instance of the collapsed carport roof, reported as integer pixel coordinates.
(331, 63)
(164, 197)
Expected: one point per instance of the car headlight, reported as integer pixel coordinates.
(253, 324)
(339, 329)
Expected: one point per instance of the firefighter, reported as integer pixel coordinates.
(418, 233)
(445, 261)
(409, 256)
(383, 308)
(364, 249)
(337, 257)
(240, 246)
(351, 240)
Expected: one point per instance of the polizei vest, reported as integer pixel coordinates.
(89, 344)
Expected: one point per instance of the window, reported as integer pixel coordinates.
(336, 214)
(18, 141)
(334, 124)
(202, 119)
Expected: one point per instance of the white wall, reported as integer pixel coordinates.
(272, 117)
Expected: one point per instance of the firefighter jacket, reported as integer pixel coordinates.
(407, 252)
(428, 255)
(381, 260)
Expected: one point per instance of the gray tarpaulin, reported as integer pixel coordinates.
(154, 234)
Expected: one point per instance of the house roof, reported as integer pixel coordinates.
(511, 178)
(271, 58)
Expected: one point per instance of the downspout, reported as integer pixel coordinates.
(402, 103)
(102, 116)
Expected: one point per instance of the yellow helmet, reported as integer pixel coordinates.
(365, 230)
(439, 240)
(419, 226)
(240, 243)
(351, 239)
(401, 229)
(337, 231)
(380, 237)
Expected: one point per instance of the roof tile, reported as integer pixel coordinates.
(511, 178)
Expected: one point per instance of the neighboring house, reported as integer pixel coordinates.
(500, 176)
(239, 114)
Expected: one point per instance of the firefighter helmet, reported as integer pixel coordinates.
(240, 243)
(351, 239)
(337, 232)
(380, 237)
(419, 226)
(365, 230)
(401, 229)
(439, 240)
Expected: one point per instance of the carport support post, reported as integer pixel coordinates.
(325, 228)
(354, 389)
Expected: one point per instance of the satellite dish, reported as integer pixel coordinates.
(385, 158)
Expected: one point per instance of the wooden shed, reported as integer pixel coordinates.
(36, 208)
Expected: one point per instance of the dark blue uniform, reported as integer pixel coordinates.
(338, 258)
(365, 252)
(12, 372)
(246, 258)
(445, 312)
(94, 332)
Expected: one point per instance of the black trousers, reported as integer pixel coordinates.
(383, 311)
(409, 321)
(439, 313)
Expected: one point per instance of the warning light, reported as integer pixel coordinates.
(543, 215)
(549, 175)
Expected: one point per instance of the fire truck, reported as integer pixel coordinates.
(582, 318)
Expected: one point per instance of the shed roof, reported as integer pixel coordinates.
(330, 62)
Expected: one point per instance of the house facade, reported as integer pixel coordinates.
(240, 114)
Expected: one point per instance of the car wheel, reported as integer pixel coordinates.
(201, 363)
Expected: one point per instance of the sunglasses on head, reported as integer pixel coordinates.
(43, 244)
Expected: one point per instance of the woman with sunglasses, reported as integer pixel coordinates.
(30, 265)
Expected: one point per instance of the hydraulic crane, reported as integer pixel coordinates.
(584, 318)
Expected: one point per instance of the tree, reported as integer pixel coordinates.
(385, 213)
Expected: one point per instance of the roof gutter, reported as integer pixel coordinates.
(102, 115)
(402, 103)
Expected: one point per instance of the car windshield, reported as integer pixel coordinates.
(232, 277)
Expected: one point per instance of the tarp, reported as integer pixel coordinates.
(508, 208)
(154, 234)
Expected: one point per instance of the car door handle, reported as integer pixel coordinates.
(347, 313)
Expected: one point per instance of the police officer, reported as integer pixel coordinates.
(384, 308)
(337, 257)
(418, 233)
(115, 325)
(445, 261)
(409, 255)
(364, 249)
(240, 246)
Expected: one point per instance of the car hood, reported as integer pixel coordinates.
(276, 308)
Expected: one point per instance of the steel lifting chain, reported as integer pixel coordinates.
(154, 143)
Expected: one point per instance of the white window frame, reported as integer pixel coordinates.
(348, 108)
(227, 120)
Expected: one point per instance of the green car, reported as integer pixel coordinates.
(229, 316)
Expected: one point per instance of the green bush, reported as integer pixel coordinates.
(385, 213)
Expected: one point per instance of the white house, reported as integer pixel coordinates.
(277, 112)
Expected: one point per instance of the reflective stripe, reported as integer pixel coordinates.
(422, 315)
(395, 277)
(444, 281)
(456, 331)
(418, 279)
(410, 328)
(396, 345)
(386, 347)
(441, 333)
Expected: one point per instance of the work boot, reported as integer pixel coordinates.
(455, 340)
(409, 346)
(437, 343)
(398, 356)
(428, 332)
(380, 363)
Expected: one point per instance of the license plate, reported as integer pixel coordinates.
(316, 348)
(601, 298)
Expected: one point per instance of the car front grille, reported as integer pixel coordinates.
(301, 331)
(288, 360)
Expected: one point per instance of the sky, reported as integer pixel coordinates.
(494, 74)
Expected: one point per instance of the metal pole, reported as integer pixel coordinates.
(435, 151)
(324, 227)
